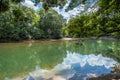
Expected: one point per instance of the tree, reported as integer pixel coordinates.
(17, 25)
(82, 26)
(51, 23)
(110, 17)
(102, 22)
(4, 4)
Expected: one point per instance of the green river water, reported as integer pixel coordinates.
(58, 60)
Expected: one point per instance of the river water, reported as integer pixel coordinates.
(58, 60)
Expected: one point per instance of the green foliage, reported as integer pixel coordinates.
(75, 3)
(51, 23)
(18, 23)
(4, 6)
(18, 14)
(103, 22)
(110, 18)
(51, 3)
(82, 26)
(16, 1)
(45, 6)
(108, 6)
(21, 23)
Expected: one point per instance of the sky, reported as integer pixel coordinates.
(31, 4)
(86, 8)
(71, 13)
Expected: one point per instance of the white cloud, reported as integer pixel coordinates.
(70, 13)
(30, 4)
(86, 8)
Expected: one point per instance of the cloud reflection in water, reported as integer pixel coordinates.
(75, 67)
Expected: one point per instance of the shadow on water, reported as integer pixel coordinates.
(58, 60)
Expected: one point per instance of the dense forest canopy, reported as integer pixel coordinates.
(105, 21)
(18, 22)
(5, 4)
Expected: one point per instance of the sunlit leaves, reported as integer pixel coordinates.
(75, 27)
(105, 21)
(82, 26)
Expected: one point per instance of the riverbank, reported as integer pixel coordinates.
(60, 39)
(70, 39)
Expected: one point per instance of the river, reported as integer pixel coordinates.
(58, 60)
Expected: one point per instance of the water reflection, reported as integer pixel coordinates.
(108, 48)
(62, 60)
(74, 67)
